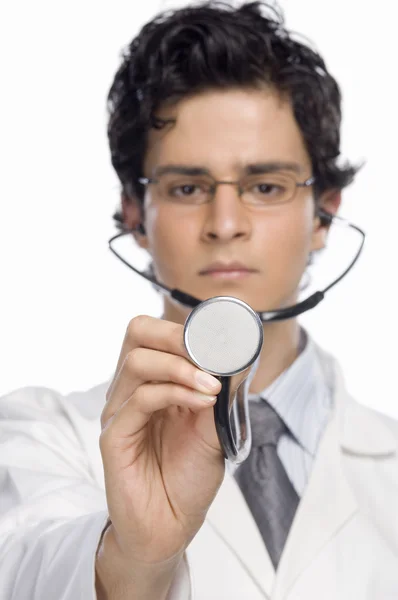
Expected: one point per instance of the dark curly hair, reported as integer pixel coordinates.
(215, 45)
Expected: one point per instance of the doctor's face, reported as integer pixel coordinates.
(248, 245)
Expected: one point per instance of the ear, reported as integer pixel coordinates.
(330, 202)
(133, 216)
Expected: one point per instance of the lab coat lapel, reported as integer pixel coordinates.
(329, 502)
(326, 505)
(230, 517)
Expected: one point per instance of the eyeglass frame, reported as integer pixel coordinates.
(216, 182)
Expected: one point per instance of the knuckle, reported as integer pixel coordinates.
(133, 360)
(109, 392)
(103, 440)
(184, 371)
(139, 397)
(171, 369)
(136, 326)
(104, 419)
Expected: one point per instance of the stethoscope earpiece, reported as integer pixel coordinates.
(140, 229)
(325, 217)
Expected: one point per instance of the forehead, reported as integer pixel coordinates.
(224, 130)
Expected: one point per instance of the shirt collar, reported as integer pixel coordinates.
(302, 398)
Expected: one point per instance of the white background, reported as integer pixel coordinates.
(65, 299)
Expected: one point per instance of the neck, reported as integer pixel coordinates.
(280, 348)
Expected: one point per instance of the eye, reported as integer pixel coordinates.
(267, 189)
(187, 189)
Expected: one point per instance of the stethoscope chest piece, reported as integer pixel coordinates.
(224, 336)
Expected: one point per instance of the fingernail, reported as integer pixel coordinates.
(207, 381)
(205, 398)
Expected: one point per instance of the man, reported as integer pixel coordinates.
(224, 132)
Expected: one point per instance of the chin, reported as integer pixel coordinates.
(256, 298)
(235, 291)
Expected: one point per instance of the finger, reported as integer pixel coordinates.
(148, 332)
(144, 365)
(148, 398)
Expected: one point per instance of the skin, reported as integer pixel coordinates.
(163, 464)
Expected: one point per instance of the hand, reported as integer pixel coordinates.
(163, 463)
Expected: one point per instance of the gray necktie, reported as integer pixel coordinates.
(263, 480)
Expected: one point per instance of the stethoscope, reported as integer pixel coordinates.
(235, 435)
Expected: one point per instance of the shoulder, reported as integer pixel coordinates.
(30, 403)
(40, 401)
(40, 426)
(386, 424)
(363, 429)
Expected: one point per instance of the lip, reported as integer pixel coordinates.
(229, 270)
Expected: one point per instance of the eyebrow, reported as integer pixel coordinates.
(250, 169)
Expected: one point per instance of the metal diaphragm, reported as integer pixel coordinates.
(223, 335)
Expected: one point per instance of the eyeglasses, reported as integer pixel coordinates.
(265, 189)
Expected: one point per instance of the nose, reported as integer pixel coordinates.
(226, 216)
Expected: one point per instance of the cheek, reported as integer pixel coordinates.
(288, 244)
(170, 238)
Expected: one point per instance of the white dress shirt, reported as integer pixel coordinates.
(302, 397)
(52, 498)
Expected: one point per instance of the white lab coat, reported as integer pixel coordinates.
(343, 544)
